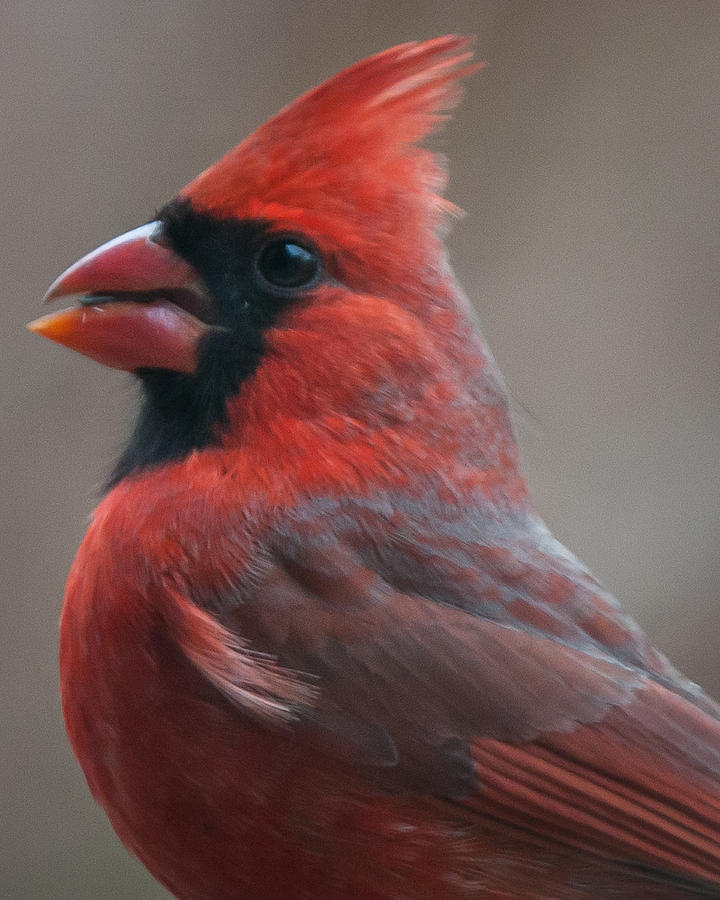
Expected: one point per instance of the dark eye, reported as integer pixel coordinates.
(284, 263)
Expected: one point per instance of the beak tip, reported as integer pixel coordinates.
(49, 326)
(58, 288)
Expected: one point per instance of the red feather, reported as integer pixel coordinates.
(335, 653)
(341, 163)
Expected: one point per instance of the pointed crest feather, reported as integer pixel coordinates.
(342, 161)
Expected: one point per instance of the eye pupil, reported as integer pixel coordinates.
(287, 264)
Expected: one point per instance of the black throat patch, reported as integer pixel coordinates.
(181, 413)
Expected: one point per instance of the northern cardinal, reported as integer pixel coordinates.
(316, 643)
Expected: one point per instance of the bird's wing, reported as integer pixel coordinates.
(552, 734)
(642, 785)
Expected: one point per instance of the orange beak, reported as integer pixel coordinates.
(138, 305)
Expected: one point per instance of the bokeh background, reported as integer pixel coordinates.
(587, 155)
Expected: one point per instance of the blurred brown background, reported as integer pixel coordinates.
(587, 156)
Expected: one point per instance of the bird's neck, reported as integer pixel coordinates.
(360, 378)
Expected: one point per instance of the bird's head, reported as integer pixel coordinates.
(313, 252)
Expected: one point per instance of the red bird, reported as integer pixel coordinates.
(316, 642)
